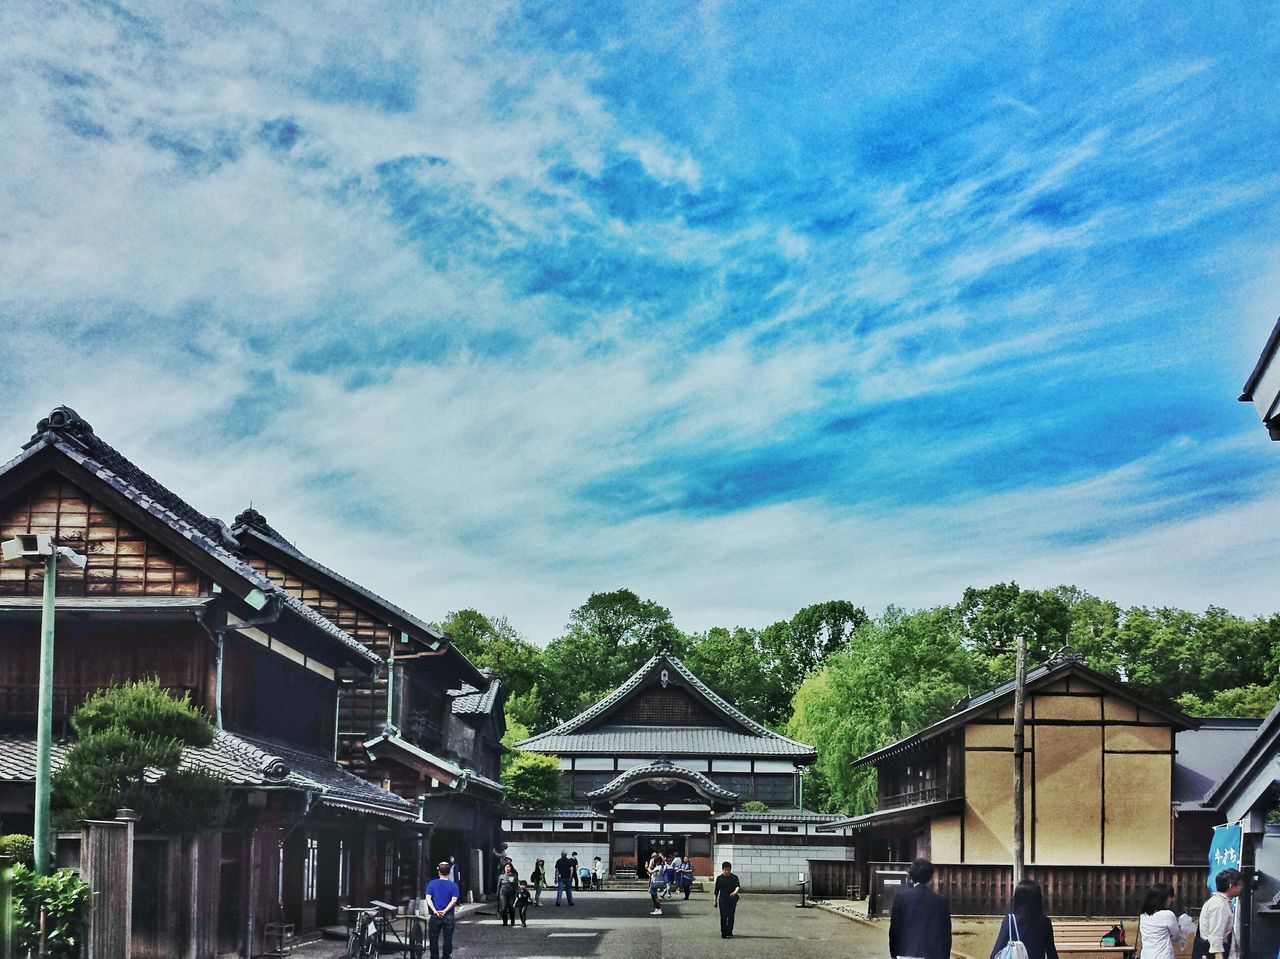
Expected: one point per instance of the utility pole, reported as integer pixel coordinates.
(1019, 718)
(44, 723)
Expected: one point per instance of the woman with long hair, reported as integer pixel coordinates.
(1158, 926)
(1030, 925)
(508, 888)
(539, 879)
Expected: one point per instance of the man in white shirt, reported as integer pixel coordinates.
(1219, 925)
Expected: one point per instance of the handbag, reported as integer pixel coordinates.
(1014, 948)
(1114, 936)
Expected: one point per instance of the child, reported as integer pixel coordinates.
(522, 903)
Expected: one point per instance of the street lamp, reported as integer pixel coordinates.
(37, 549)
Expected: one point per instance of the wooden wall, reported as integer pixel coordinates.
(121, 560)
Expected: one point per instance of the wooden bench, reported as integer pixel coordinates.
(1085, 935)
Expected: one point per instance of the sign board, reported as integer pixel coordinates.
(1225, 851)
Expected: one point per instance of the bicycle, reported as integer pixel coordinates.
(372, 927)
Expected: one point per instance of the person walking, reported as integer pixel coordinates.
(574, 859)
(539, 879)
(920, 920)
(655, 883)
(1158, 926)
(508, 886)
(455, 871)
(597, 875)
(725, 898)
(442, 899)
(564, 877)
(1218, 921)
(1028, 924)
(685, 877)
(522, 903)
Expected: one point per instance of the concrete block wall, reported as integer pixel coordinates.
(771, 868)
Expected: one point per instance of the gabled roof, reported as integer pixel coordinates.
(253, 531)
(388, 743)
(574, 735)
(1256, 771)
(1264, 360)
(662, 771)
(1038, 677)
(64, 432)
(918, 811)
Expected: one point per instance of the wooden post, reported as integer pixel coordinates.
(1019, 719)
(106, 865)
(6, 908)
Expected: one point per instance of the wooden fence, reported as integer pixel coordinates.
(986, 890)
(106, 865)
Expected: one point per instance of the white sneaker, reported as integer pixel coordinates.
(656, 912)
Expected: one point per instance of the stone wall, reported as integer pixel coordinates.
(773, 868)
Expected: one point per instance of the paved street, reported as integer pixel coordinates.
(618, 925)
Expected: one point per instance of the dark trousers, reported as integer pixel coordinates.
(728, 906)
(564, 885)
(523, 910)
(434, 926)
(507, 907)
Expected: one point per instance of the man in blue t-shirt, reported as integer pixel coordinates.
(442, 900)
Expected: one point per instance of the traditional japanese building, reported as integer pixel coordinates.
(664, 763)
(428, 727)
(343, 721)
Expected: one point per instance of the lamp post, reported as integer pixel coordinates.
(37, 549)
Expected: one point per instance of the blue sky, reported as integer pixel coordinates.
(745, 306)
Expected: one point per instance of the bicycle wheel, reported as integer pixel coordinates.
(376, 937)
(417, 941)
(353, 942)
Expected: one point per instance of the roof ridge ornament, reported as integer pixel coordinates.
(65, 422)
(251, 517)
(1067, 654)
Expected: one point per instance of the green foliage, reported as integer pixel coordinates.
(128, 753)
(607, 639)
(65, 900)
(532, 781)
(525, 710)
(755, 805)
(1243, 701)
(896, 675)
(493, 643)
(19, 848)
(516, 731)
(993, 618)
(736, 665)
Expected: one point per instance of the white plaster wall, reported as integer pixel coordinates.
(772, 868)
(525, 854)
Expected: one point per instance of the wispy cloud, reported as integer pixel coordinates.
(740, 312)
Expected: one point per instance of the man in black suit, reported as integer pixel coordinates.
(920, 921)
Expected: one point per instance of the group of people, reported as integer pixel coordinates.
(666, 876)
(920, 921)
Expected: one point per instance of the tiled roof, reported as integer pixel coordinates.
(240, 761)
(781, 815)
(755, 739)
(251, 524)
(469, 701)
(664, 741)
(73, 437)
(336, 782)
(448, 767)
(557, 814)
(662, 770)
(1206, 755)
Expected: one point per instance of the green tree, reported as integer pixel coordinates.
(734, 664)
(812, 634)
(607, 639)
(128, 752)
(994, 618)
(64, 899)
(532, 781)
(493, 643)
(896, 675)
(1243, 701)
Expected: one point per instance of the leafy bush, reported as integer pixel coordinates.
(21, 849)
(532, 781)
(755, 805)
(65, 900)
(128, 753)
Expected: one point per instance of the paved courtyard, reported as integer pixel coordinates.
(618, 925)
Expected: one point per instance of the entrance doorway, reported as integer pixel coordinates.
(669, 844)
